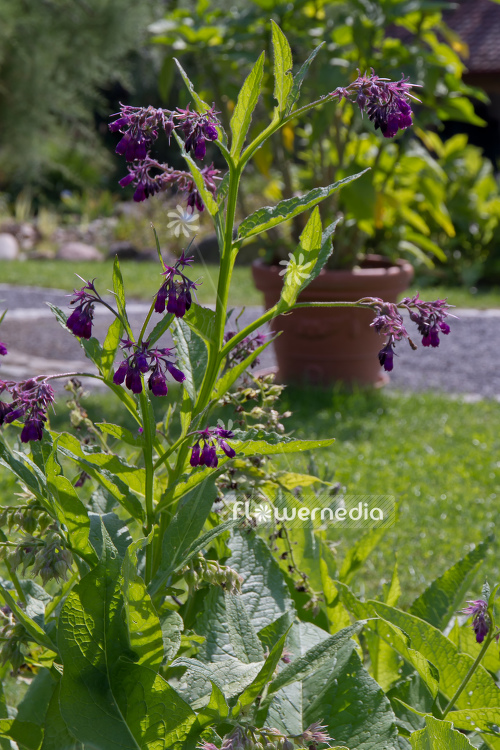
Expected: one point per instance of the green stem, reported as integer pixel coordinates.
(149, 480)
(148, 318)
(469, 674)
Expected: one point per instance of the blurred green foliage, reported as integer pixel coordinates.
(57, 59)
(423, 199)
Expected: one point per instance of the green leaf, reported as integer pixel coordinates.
(205, 540)
(115, 527)
(171, 629)
(20, 470)
(443, 597)
(438, 735)
(299, 78)
(247, 101)
(106, 700)
(71, 512)
(119, 290)
(143, 625)
(202, 321)
(283, 79)
(308, 260)
(110, 346)
(315, 658)
(160, 328)
(426, 244)
(255, 442)
(25, 733)
(119, 433)
(242, 634)
(114, 473)
(35, 702)
(201, 105)
(206, 195)
(230, 675)
(192, 357)
(91, 347)
(351, 704)
(477, 719)
(32, 627)
(255, 688)
(56, 735)
(444, 655)
(270, 216)
(183, 531)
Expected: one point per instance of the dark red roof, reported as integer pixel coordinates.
(478, 24)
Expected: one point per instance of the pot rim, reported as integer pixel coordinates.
(386, 268)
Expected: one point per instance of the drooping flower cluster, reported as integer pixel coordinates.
(175, 293)
(140, 127)
(386, 102)
(30, 400)
(80, 320)
(251, 738)
(143, 360)
(481, 621)
(245, 347)
(206, 455)
(428, 316)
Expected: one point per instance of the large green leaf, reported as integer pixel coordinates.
(443, 654)
(110, 346)
(438, 735)
(242, 634)
(202, 321)
(183, 531)
(270, 216)
(443, 597)
(283, 79)
(143, 625)
(70, 509)
(256, 442)
(245, 105)
(192, 357)
(113, 472)
(35, 702)
(477, 719)
(351, 704)
(25, 733)
(265, 675)
(230, 675)
(56, 735)
(106, 700)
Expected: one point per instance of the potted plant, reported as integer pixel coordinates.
(388, 212)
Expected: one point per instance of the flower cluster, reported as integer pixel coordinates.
(140, 127)
(201, 570)
(30, 400)
(48, 557)
(481, 621)
(252, 738)
(80, 320)
(245, 347)
(207, 455)
(143, 360)
(175, 293)
(3, 349)
(386, 102)
(428, 316)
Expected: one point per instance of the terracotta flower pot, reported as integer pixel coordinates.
(324, 346)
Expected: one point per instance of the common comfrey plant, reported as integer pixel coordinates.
(141, 614)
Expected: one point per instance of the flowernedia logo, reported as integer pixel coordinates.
(348, 511)
(183, 221)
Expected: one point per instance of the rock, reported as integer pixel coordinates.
(125, 251)
(27, 236)
(78, 251)
(9, 247)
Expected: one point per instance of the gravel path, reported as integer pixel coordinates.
(466, 362)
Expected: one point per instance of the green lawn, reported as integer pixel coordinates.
(142, 280)
(438, 456)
